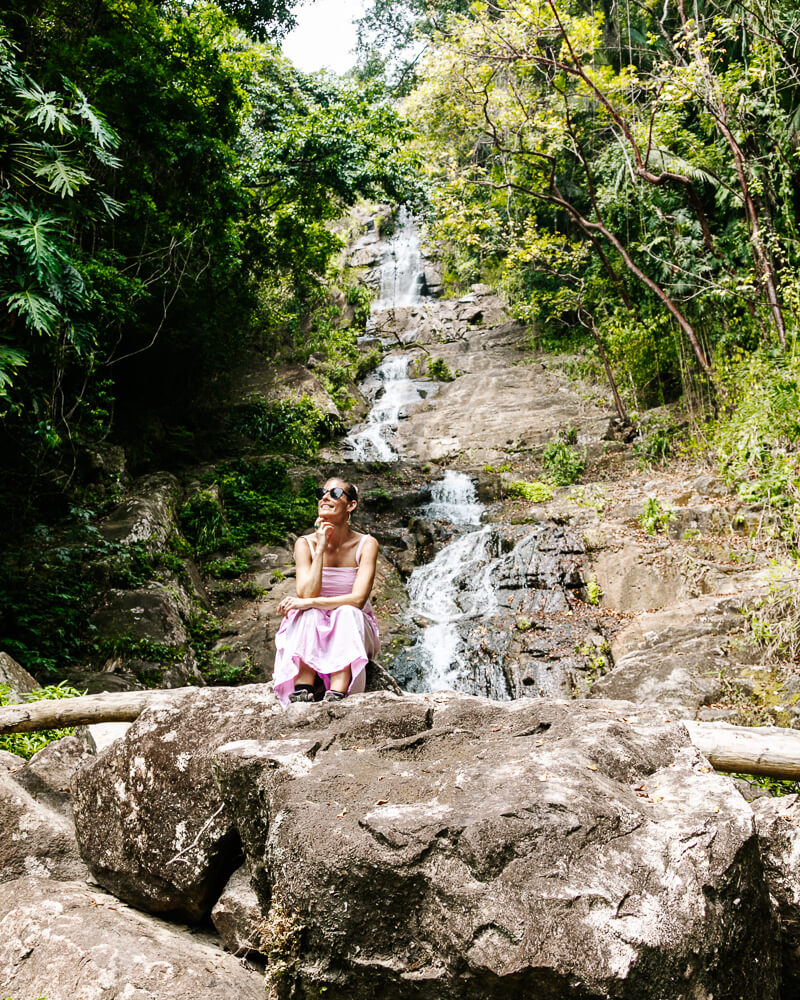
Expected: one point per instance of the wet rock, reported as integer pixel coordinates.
(34, 839)
(16, 677)
(238, 917)
(149, 819)
(148, 516)
(778, 826)
(63, 941)
(529, 848)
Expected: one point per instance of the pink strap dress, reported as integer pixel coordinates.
(327, 640)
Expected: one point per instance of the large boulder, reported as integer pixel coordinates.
(65, 941)
(533, 849)
(151, 824)
(778, 825)
(48, 774)
(145, 634)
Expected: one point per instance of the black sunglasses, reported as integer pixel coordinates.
(336, 493)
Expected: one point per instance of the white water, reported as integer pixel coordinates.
(454, 499)
(402, 274)
(392, 391)
(454, 587)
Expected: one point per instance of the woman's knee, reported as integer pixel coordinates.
(347, 612)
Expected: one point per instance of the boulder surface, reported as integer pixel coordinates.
(64, 941)
(534, 849)
(150, 821)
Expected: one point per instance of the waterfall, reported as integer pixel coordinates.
(402, 274)
(449, 593)
(391, 391)
(454, 499)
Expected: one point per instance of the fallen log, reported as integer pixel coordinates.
(86, 710)
(764, 750)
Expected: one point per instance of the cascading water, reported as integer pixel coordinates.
(392, 390)
(402, 274)
(448, 592)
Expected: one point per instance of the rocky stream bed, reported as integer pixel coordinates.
(513, 809)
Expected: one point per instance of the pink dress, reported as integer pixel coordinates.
(327, 640)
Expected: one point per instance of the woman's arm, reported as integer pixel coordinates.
(358, 596)
(308, 580)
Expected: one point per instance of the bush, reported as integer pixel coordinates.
(536, 492)
(655, 518)
(27, 744)
(439, 369)
(564, 463)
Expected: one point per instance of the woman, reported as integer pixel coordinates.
(329, 629)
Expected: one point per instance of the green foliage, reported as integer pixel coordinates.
(757, 437)
(440, 370)
(293, 425)
(564, 463)
(27, 744)
(245, 503)
(653, 448)
(535, 492)
(360, 297)
(655, 517)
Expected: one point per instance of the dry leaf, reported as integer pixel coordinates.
(544, 777)
(592, 767)
(381, 802)
(342, 813)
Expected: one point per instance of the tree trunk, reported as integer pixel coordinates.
(750, 750)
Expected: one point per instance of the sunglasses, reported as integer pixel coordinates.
(336, 493)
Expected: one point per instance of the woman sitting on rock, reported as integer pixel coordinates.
(329, 629)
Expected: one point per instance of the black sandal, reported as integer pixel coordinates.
(332, 695)
(303, 692)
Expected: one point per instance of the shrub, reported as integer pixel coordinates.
(564, 463)
(655, 518)
(439, 369)
(536, 492)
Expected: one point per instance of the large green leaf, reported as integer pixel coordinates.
(39, 313)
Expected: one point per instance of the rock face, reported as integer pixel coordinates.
(148, 515)
(63, 941)
(778, 825)
(149, 818)
(533, 849)
(676, 656)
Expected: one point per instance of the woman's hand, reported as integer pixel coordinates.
(324, 531)
(292, 603)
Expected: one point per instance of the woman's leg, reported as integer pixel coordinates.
(305, 675)
(340, 681)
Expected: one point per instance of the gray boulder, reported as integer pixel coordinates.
(65, 941)
(150, 822)
(34, 840)
(533, 849)
(238, 917)
(16, 677)
(148, 515)
(778, 825)
(48, 774)
(146, 627)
